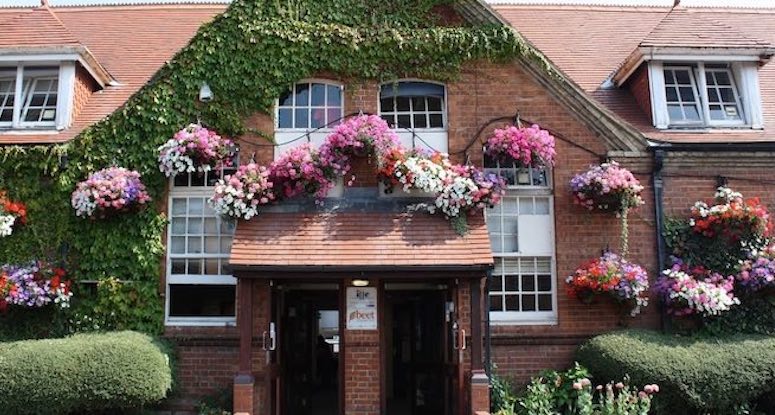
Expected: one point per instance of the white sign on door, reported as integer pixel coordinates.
(361, 308)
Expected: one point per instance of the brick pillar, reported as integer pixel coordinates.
(362, 365)
(243, 395)
(480, 392)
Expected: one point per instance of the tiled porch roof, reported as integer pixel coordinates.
(358, 239)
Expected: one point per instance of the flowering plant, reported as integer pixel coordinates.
(607, 187)
(528, 146)
(109, 190)
(758, 272)
(239, 195)
(731, 217)
(612, 275)
(12, 215)
(299, 171)
(687, 292)
(361, 135)
(33, 286)
(192, 149)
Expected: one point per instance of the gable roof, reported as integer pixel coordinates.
(130, 42)
(597, 40)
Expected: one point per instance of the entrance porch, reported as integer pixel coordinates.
(357, 313)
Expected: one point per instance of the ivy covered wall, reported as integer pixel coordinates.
(248, 55)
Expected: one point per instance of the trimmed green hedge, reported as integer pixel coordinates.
(82, 373)
(694, 374)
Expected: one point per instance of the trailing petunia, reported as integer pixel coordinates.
(239, 195)
(614, 276)
(12, 215)
(109, 191)
(731, 217)
(33, 286)
(528, 146)
(299, 171)
(363, 135)
(685, 292)
(758, 272)
(607, 187)
(195, 149)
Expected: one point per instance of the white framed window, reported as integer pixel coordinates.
(418, 112)
(705, 94)
(36, 96)
(306, 113)
(523, 287)
(310, 105)
(200, 291)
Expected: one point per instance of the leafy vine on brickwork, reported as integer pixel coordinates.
(248, 55)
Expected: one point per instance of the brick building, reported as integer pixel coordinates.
(683, 97)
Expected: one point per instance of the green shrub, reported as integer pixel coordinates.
(82, 373)
(707, 375)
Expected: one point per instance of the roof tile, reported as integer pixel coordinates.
(358, 239)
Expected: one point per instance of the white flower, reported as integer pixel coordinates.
(6, 225)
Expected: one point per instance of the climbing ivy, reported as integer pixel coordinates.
(248, 55)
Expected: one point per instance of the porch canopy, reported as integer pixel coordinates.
(355, 244)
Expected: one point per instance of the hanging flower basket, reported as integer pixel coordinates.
(195, 149)
(613, 276)
(299, 171)
(12, 215)
(685, 292)
(33, 286)
(240, 194)
(758, 272)
(527, 146)
(730, 217)
(607, 187)
(360, 136)
(109, 192)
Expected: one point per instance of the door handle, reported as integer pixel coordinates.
(272, 337)
(455, 335)
(463, 339)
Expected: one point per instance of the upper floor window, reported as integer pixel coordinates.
(523, 287)
(200, 291)
(411, 104)
(310, 105)
(705, 94)
(31, 96)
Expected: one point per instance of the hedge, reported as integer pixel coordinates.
(82, 373)
(694, 374)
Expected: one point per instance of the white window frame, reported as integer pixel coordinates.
(444, 120)
(284, 136)
(436, 138)
(193, 192)
(63, 71)
(531, 317)
(745, 82)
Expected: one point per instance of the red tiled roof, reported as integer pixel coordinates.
(358, 239)
(683, 28)
(596, 40)
(130, 42)
(35, 27)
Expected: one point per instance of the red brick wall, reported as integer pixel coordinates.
(84, 87)
(485, 91)
(638, 85)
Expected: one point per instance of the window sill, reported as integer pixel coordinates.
(526, 322)
(201, 322)
(709, 129)
(29, 130)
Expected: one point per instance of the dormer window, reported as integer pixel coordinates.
(691, 95)
(36, 96)
(702, 94)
